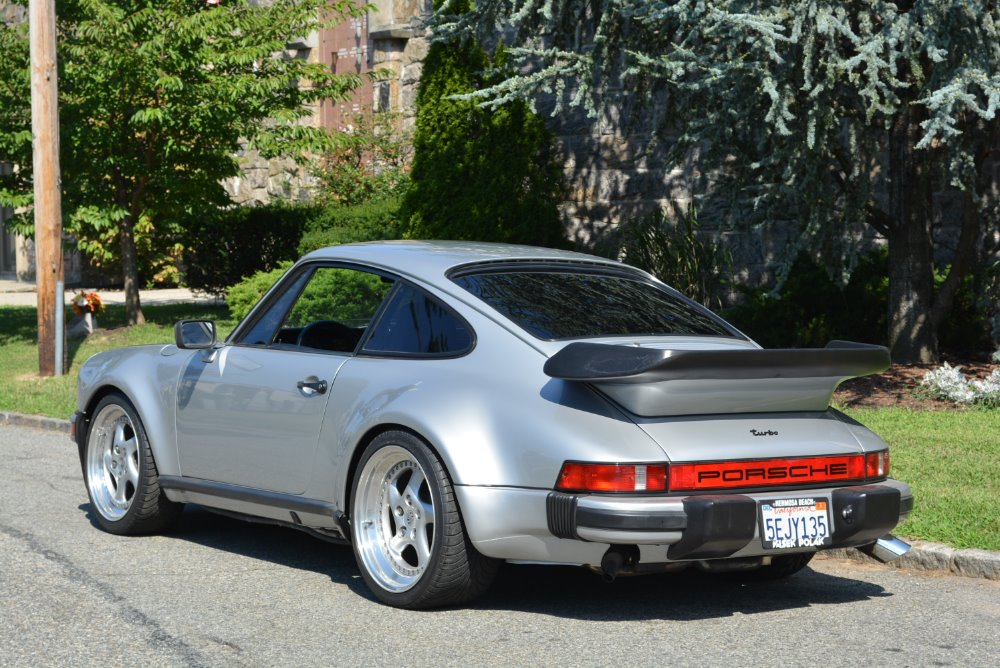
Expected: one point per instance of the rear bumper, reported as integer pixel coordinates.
(720, 525)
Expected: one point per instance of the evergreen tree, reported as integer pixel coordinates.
(839, 112)
(156, 98)
(479, 174)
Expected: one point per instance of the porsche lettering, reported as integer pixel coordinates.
(765, 474)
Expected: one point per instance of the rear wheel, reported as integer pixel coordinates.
(407, 532)
(121, 476)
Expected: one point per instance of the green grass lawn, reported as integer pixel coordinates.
(21, 389)
(950, 458)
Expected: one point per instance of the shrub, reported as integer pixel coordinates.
(673, 251)
(812, 309)
(479, 174)
(949, 383)
(224, 246)
(242, 296)
(371, 164)
(348, 224)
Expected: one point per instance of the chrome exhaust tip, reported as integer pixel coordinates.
(886, 549)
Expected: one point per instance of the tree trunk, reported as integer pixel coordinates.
(961, 264)
(912, 332)
(130, 271)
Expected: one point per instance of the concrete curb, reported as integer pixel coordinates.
(923, 556)
(35, 422)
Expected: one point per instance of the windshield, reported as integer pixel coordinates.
(554, 304)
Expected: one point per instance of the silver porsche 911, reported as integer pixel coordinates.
(445, 407)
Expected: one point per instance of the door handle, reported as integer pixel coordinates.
(313, 384)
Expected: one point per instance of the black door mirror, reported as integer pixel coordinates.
(194, 334)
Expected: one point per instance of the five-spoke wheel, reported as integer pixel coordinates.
(407, 531)
(121, 477)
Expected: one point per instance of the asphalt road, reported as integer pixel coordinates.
(219, 592)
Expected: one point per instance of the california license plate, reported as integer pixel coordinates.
(793, 523)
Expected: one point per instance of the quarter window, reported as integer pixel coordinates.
(414, 323)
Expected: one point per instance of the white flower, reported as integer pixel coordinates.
(948, 382)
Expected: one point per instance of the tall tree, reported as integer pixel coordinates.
(479, 174)
(157, 97)
(841, 113)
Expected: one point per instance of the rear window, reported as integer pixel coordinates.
(554, 305)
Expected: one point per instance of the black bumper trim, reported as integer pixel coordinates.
(718, 526)
(560, 513)
(631, 520)
(864, 514)
(76, 420)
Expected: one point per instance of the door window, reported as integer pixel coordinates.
(330, 312)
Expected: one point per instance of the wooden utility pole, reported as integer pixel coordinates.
(48, 202)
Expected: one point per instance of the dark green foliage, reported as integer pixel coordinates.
(222, 247)
(479, 174)
(812, 309)
(335, 225)
(838, 113)
(344, 295)
(242, 296)
(674, 251)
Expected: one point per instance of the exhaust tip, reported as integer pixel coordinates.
(886, 549)
(619, 559)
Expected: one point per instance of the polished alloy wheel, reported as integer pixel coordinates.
(112, 462)
(394, 518)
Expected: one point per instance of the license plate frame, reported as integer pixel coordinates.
(794, 523)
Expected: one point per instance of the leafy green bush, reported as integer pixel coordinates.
(371, 164)
(224, 246)
(812, 309)
(479, 174)
(242, 296)
(348, 224)
(673, 251)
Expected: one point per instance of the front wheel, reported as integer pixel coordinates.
(407, 532)
(121, 476)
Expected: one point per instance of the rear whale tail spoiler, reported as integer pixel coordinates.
(655, 382)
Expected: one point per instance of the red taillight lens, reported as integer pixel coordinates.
(877, 464)
(579, 477)
(765, 472)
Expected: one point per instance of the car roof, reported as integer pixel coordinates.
(431, 260)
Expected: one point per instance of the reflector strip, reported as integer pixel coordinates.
(766, 472)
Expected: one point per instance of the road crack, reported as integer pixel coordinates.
(158, 638)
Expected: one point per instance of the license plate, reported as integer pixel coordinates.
(794, 523)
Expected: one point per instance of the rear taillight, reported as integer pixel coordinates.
(582, 477)
(877, 464)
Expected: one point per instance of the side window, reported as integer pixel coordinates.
(334, 309)
(331, 311)
(415, 323)
(262, 332)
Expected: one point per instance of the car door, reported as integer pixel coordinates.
(250, 413)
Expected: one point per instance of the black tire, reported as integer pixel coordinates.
(780, 567)
(120, 474)
(406, 529)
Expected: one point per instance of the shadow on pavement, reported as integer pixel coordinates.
(569, 592)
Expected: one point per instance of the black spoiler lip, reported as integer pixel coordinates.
(604, 363)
